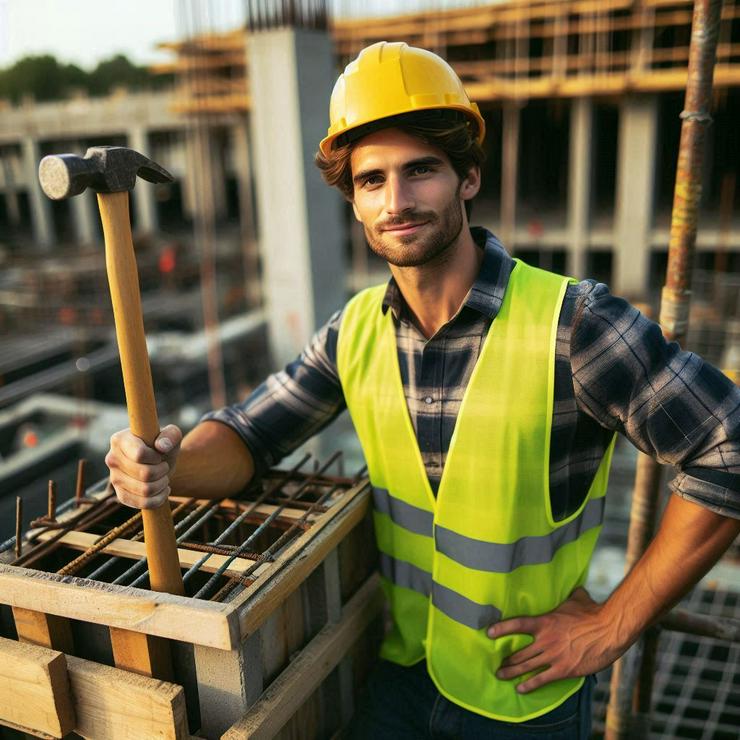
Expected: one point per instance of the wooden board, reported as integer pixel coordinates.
(164, 615)
(125, 548)
(43, 629)
(34, 689)
(277, 582)
(296, 683)
(113, 704)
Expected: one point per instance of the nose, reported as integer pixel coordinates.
(398, 195)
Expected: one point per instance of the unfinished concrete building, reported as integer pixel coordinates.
(582, 100)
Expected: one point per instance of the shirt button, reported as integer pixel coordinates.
(428, 400)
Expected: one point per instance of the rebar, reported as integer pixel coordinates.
(51, 503)
(18, 526)
(623, 721)
(81, 560)
(202, 514)
(86, 518)
(277, 545)
(210, 584)
(95, 575)
(80, 482)
(238, 520)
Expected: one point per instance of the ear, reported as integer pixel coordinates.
(470, 186)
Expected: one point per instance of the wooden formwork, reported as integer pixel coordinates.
(282, 658)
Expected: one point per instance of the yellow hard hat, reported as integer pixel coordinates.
(389, 79)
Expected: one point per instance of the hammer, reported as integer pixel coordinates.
(111, 172)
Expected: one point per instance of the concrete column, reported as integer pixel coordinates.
(301, 231)
(241, 162)
(84, 211)
(42, 225)
(10, 188)
(580, 166)
(509, 164)
(635, 194)
(145, 204)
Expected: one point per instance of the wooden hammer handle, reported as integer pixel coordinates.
(123, 278)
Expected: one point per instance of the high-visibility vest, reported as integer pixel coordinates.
(487, 547)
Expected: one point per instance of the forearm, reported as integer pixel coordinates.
(690, 539)
(213, 462)
(582, 637)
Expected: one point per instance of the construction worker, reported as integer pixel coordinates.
(486, 395)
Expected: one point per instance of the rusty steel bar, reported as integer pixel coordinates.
(275, 487)
(246, 545)
(623, 722)
(95, 575)
(81, 560)
(133, 522)
(51, 503)
(80, 483)
(18, 526)
(228, 587)
(94, 515)
(202, 514)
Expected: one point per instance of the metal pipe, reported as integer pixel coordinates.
(674, 316)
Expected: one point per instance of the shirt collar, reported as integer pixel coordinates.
(487, 293)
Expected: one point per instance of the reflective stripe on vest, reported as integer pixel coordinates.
(487, 548)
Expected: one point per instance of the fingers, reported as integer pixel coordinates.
(512, 671)
(522, 655)
(516, 626)
(540, 679)
(140, 474)
(149, 500)
(168, 440)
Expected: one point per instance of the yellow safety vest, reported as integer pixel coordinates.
(487, 548)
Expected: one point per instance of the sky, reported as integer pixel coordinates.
(85, 31)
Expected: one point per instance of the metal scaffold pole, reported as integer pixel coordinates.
(628, 713)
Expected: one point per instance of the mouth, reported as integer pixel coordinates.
(404, 229)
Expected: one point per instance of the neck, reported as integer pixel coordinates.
(435, 291)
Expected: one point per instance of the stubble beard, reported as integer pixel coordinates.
(431, 243)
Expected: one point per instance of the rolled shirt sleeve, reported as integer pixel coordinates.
(291, 405)
(669, 403)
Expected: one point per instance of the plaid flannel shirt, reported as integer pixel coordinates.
(613, 372)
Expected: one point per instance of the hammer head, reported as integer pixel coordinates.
(104, 169)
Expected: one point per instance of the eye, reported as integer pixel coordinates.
(422, 169)
(372, 181)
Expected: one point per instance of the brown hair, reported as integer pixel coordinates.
(447, 130)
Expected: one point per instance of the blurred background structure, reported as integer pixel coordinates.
(247, 252)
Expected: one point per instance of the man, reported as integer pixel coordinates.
(486, 395)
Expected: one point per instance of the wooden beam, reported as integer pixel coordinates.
(124, 548)
(165, 615)
(142, 653)
(117, 705)
(34, 689)
(47, 630)
(314, 663)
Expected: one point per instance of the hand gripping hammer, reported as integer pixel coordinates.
(111, 172)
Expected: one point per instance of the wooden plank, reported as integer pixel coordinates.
(142, 653)
(124, 548)
(277, 582)
(47, 630)
(303, 676)
(112, 704)
(34, 689)
(165, 615)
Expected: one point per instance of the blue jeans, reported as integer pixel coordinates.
(404, 703)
